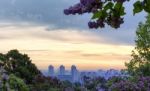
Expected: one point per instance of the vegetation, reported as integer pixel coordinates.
(17, 84)
(110, 12)
(11, 82)
(140, 84)
(140, 63)
(42, 83)
(94, 83)
(139, 66)
(18, 73)
(19, 65)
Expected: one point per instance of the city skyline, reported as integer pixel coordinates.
(74, 75)
(62, 74)
(56, 70)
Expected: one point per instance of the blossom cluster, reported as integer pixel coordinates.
(141, 84)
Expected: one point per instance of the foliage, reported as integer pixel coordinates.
(42, 83)
(93, 83)
(124, 86)
(113, 80)
(141, 84)
(140, 63)
(17, 83)
(11, 82)
(19, 65)
(110, 12)
(139, 66)
(73, 86)
(20, 74)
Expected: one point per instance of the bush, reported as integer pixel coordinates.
(141, 84)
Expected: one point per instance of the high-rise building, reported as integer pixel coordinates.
(51, 71)
(74, 73)
(62, 70)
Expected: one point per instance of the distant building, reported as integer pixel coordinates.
(65, 77)
(109, 73)
(62, 70)
(74, 73)
(89, 74)
(51, 71)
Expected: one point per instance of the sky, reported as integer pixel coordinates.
(40, 29)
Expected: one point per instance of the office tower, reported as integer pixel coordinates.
(62, 70)
(74, 73)
(51, 71)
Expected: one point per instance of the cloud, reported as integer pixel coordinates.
(91, 61)
(45, 12)
(27, 31)
(50, 13)
(67, 46)
(15, 32)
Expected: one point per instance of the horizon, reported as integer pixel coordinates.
(56, 69)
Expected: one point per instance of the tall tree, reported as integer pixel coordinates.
(20, 65)
(140, 63)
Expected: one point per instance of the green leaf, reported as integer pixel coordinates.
(119, 9)
(99, 14)
(108, 6)
(147, 7)
(118, 6)
(137, 7)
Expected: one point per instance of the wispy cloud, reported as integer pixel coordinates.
(50, 13)
(66, 47)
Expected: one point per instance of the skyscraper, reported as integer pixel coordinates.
(62, 70)
(74, 73)
(51, 71)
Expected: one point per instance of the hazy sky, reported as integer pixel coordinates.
(39, 28)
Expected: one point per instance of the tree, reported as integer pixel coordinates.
(42, 83)
(11, 82)
(18, 73)
(17, 84)
(110, 12)
(140, 63)
(20, 65)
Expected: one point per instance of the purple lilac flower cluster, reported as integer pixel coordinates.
(142, 84)
(124, 86)
(83, 7)
(93, 6)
